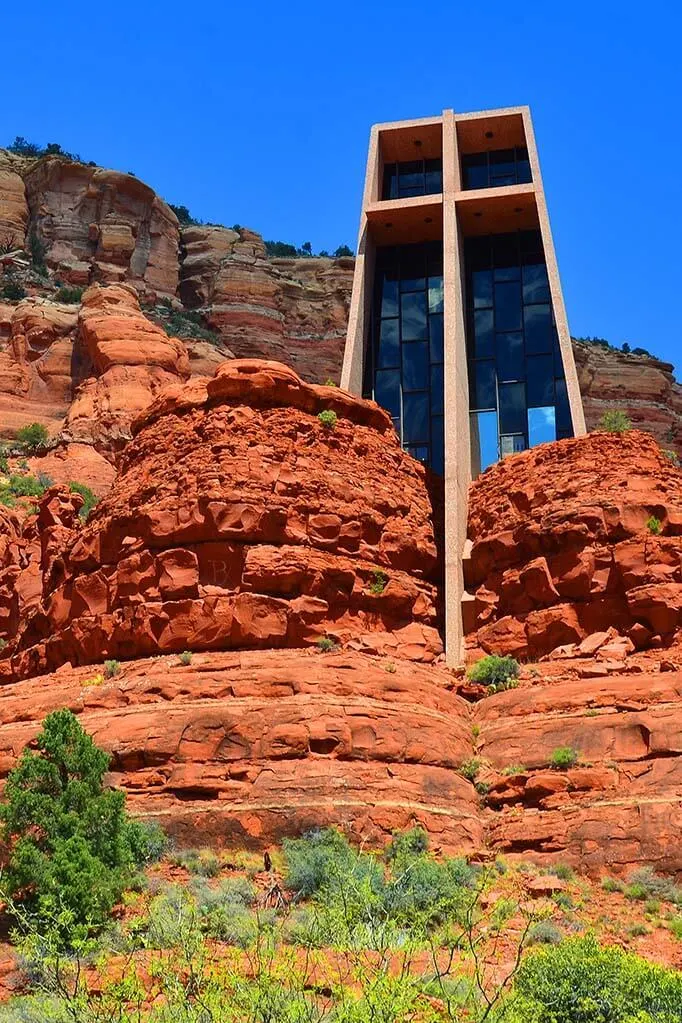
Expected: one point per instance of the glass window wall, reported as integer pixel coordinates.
(499, 167)
(517, 390)
(404, 364)
(416, 177)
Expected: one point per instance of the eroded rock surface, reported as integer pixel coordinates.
(238, 519)
(565, 544)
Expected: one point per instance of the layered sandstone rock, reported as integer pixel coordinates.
(239, 520)
(129, 358)
(244, 748)
(13, 206)
(293, 310)
(561, 546)
(642, 386)
(101, 225)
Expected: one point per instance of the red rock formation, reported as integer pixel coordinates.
(248, 747)
(561, 547)
(239, 520)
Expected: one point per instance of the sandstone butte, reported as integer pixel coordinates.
(242, 529)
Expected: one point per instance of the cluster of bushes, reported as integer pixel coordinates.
(12, 291)
(182, 323)
(22, 147)
(495, 673)
(625, 347)
(16, 486)
(71, 296)
(283, 250)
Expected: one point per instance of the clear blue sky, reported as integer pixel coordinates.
(259, 113)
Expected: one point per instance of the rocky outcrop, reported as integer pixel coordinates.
(565, 543)
(244, 748)
(292, 310)
(239, 519)
(101, 225)
(642, 386)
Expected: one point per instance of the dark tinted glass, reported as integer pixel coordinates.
(387, 390)
(390, 188)
(416, 418)
(435, 294)
(510, 363)
(389, 297)
(482, 289)
(436, 390)
(508, 307)
(538, 328)
(389, 344)
(523, 175)
(535, 283)
(502, 167)
(413, 313)
(506, 251)
(436, 338)
(437, 445)
(482, 385)
(416, 366)
(564, 425)
(433, 176)
(540, 380)
(484, 338)
(475, 170)
(512, 408)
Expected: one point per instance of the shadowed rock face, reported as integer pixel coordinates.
(561, 547)
(239, 520)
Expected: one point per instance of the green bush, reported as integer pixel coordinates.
(544, 932)
(314, 859)
(564, 757)
(71, 296)
(654, 525)
(675, 925)
(615, 421)
(32, 436)
(185, 657)
(672, 456)
(201, 862)
(493, 670)
(89, 499)
(406, 844)
(513, 769)
(612, 884)
(469, 769)
(328, 418)
(379, 582)
(563, 871)
(147, 841)
(70, 842)
(325, 644)
(20, 486)
(646, 884)
(13, 292)
(579, 981)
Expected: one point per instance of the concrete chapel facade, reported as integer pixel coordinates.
(457, 322)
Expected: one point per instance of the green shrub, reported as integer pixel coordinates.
(111, 668)
(672, 456)
(89, 499)
(469, 769)
(615, 421)
(325, 644)
(185, 657)
(38, 253)
(32, 436)
(70, 840)
(147, 840)
(71, 296)
(612, 884)
(514, 769)
(563, 871)
(201, 862)
(564, 757)
(579, 981)
(654, 525)
(675, 926)
(544, 932)
(173, 920)
(644, 883)
(379, 582)
(13, 292)
(328, 418)
(405, 844)
(493, 670)
(20, 486)
(316, 859)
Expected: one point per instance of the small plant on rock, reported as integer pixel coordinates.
(564, 757)
(71, 296)
(544, 932)
(185, 657)
(496, 671)
(325, 644)
(13, 292)
(89, 499)
(469, 769)
(513, 769)
(111, 668)
(330, 383)
(672, 456)
(615, 421)
(32, 436)
(328, 418)
(379, 582)
(390, 667)
(654, 525)
(96, 680)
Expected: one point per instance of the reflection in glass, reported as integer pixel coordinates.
(510, 364)
(541, 425)
(540, 380)
(538, 328)
(535, 283)
(416, 366)
(435, 294)
(511, 443)
(413, 312)
(484, 441)
(389, 300)
(389, 344)
(508, 306)
(512, 408)
(437, 390)
(415, 418)
(484, 337)
(387, 390)
(482, 289)
(495, 168)
(436, 337)
(482, 385)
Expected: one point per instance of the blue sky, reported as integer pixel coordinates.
(258, 113)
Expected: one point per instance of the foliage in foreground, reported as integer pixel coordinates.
(493, 670)
(72, 847)
(615, 421)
